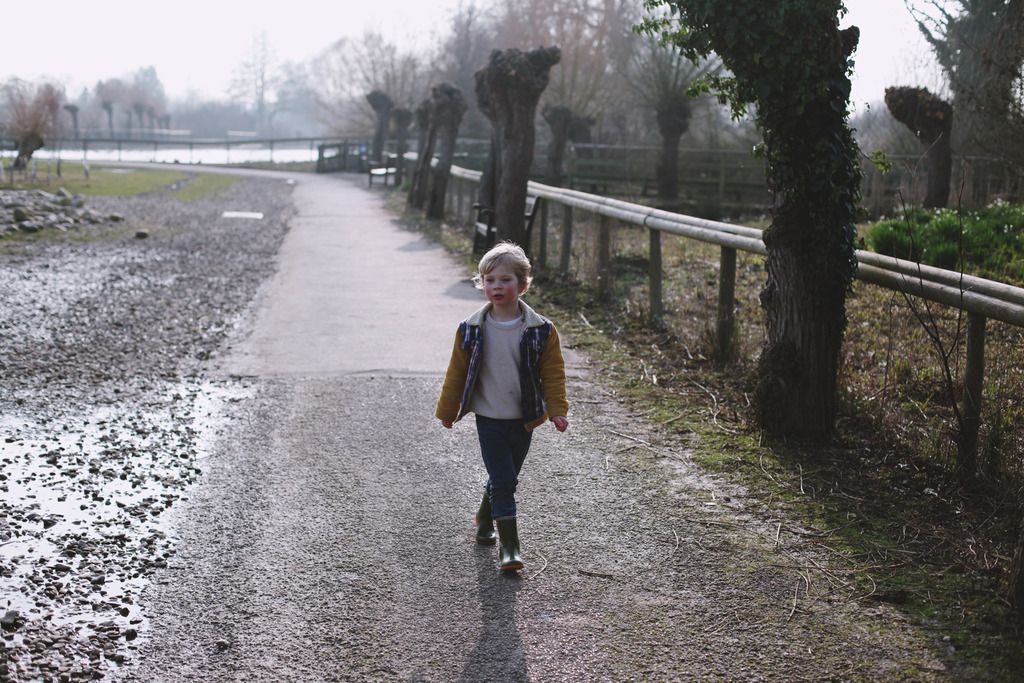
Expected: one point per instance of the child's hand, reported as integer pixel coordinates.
(561, 424)
(447, 424)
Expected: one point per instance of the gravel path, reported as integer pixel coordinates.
(106, 407)
(330, 537)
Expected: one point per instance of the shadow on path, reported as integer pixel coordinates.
(498, 654)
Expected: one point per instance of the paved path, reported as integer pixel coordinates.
(331, 538)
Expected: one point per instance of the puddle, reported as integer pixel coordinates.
(85, 499)
(254, 215)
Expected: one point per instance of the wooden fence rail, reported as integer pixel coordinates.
(980, 298)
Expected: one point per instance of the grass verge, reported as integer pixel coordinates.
(122, 181)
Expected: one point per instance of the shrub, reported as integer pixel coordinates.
(990, 240)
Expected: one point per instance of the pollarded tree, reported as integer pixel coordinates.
(348, 69)
(31, 117)
(382, 106)
(931, 120)
(791, 60)
(447, 108)
(469, 40)
(661, 78)
(559, 119)
(110, 92)
(426, 127)
(592, 35)
(508, 89)
(401, 119)
(72, 110)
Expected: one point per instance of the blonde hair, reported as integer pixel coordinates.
(510, 255)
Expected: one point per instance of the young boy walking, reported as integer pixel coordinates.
(514, 383)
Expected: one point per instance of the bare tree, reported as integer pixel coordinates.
(32, 116)
(980, 46)
(146, 94)
(110, 92)
(591, 35)
(470, 38)
(348, 69)
(255, 77)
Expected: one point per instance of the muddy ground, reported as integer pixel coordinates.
(106, 408)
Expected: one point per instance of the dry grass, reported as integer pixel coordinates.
(883, 499)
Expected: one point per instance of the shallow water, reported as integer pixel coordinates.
(85, 497)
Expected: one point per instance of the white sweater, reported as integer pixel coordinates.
(498, 393)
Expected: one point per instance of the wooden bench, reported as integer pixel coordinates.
(485, 233)
(382, 169)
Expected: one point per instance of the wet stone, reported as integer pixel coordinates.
(9, 620)
(89, 322)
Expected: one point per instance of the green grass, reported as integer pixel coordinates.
(124, 181)
(203, 185)
(102, 180)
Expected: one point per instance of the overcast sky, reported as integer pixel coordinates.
(195, 44)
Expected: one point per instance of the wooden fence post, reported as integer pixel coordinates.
(725, 335)
(460, 189)
(566, 252)
(542, 256)
(604, 257)
(654, 276)
(974, 376)
(449, 196)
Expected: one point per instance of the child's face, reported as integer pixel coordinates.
(501, 286)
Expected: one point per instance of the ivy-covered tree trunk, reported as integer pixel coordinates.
(447, 108)
(789, 58)
(931, 119)
(673, 120)
(381, 105)
(811, 254)
(508, 90)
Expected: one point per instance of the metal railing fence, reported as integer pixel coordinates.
(982, 299)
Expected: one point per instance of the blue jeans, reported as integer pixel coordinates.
(504, 445)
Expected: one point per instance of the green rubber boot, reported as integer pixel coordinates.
(484, 524)
(509, 559)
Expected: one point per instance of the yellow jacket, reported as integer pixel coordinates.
(543, 385)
